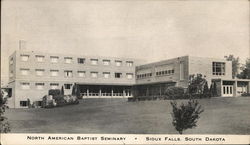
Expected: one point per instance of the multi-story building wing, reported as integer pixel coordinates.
(32, 74)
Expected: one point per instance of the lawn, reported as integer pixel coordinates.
(221, 116)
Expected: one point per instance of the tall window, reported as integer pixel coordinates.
(106, 74)
(25, 85)
(68, 73)
(54, 59)
(11, 73)
(24, 71)
(181, 70)
(54, 73)
(39, 72)
(81, 60)
(39, 86)
(129, 75)
(106, 62)
(118, 75)
(118, 63)
(218, 68)
(94, 74)
(24, 57)
(94, 61)
(39, 58)
(68, 59)
(129, 63)
(81, 74)
(11, 60)
(54, 85)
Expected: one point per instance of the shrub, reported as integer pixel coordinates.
(4, 124)
(185, 116)
(174, 92)
(245, 94)
(55, 92)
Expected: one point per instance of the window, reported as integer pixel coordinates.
(11, 73)
(24, 71)
(68, 73)
(106, 74)
(39, 58)
(23, 103)
(54, 59)
(181, 71)
(163, 72)
(129, 63)
(118, 75)
(54, 85)
(39, 86)
(24, 57)
(67, 86)
(25, 85)
(54, 73)
(68, 59)
(94, 74)
(94, 61)
(106, 62)
(39, 72)
(129, 75)
(11, 60)
(218, 68)
(81, 60)
(81, 73)
(118, 63)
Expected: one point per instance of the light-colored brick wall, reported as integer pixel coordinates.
(171, 63)
(204, 66)
(36, 95)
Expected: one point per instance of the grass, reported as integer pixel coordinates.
(221, 116)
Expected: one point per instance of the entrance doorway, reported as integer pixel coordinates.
(227, 91)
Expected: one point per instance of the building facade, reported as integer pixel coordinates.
(32, 74)
(152, 79)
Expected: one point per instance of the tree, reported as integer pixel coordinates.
(185, 116)
(4, 124)
(213, 90)
(245, 74)
(78, 93)
(206, 91)
(73, 90)
(235, 64)
(197, 86)
(62, 91)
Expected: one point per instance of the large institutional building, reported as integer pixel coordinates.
(32, 74)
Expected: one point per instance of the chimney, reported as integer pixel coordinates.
(22, 44)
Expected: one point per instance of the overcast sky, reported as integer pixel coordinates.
(147, 29)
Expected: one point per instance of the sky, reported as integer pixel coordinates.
(151, 30)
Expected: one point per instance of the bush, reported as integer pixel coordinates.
(174, 92)
(4, 124)
(185, 116)
(55, 92)
(245, 94)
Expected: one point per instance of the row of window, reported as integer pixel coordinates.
(158, 73)
(55, 59)
(69, 73)
(165, 72)
(40, 86)
(145, 75)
